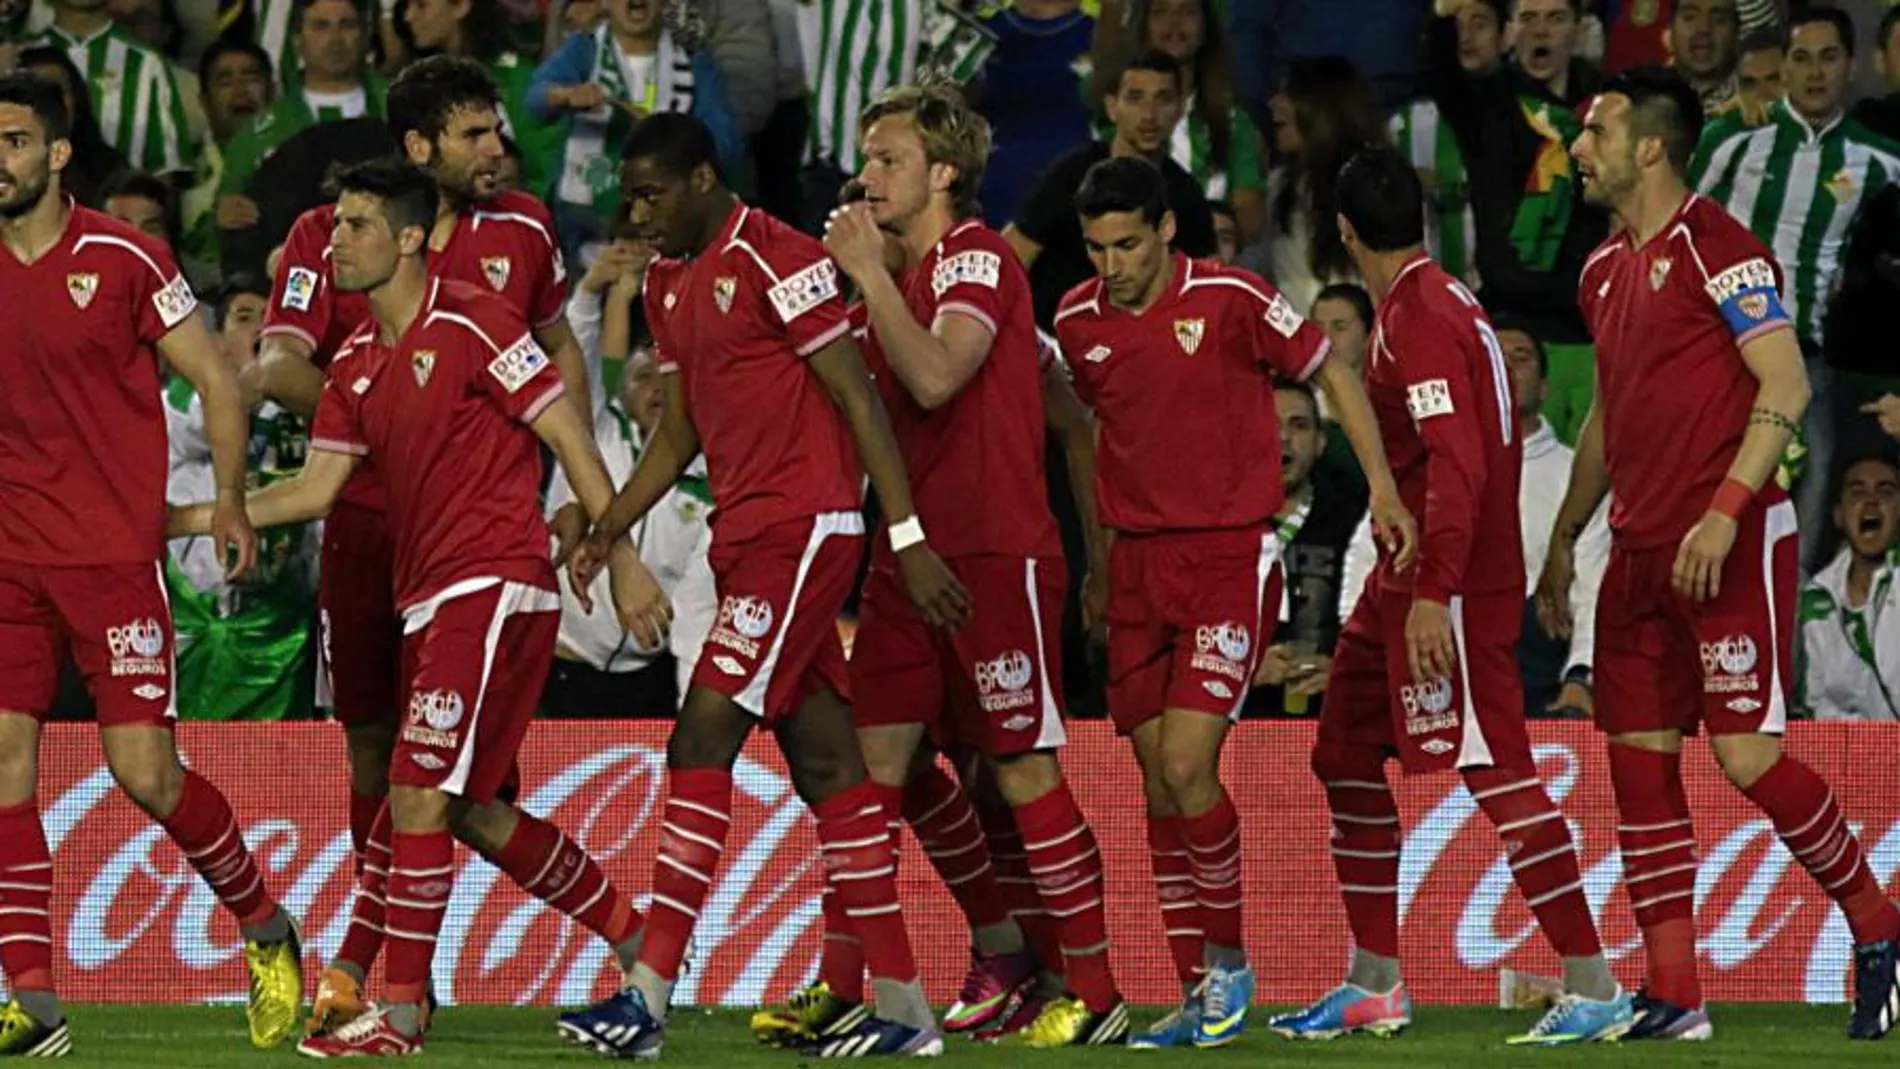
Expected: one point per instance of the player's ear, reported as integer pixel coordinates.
(1347, 235)
(943, 177)
(704, 178)
(59, 154)
(1166, 228)
(417, 148)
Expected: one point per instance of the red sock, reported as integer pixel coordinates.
(421, 875)
(940, 813)
(1017, 887)
(861, 867)
(1067, 866)
(1816, 833)
(363, 939)
(26, 895)
(545, 863)
(698, 815)
(363, 812)
(1657, 839)
(1213, 840)
(207, 833)
(1180, 907)
(841, 963)
(1543, 859)
(1366, 840)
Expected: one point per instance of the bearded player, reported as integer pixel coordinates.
(1426, 668)
(755, 341)
(952, 342)
(1177, 357)
(91, 307)
(444, 112)
(448, 388)
(1700, 385)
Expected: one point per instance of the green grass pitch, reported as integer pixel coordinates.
(1760, 1036)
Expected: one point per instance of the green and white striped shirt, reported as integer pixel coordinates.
(134, 95)
(864, 48)
(1800, 191)
(1451, 232)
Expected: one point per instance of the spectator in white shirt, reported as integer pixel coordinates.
(1849, 651)
(1556, 666)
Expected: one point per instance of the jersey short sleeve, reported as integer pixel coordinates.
(515, 374)
(159, 292)
(802, 292)
(968, 280)
(1744, 285)
(547, 300)
(1283, 340)
(301, 295)
(336, 429)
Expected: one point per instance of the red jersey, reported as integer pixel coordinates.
(737, 323)
(82, 432)
(1670, 319)
(1190, 439)
(444, 411)
(1435, 375)
(985, 444)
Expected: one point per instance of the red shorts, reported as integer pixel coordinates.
(995, 685)
(775, 640)
(356, 602)
(474, 661)
(1187, 617)
(117, 619)
(1663, 661)
(1473, 719)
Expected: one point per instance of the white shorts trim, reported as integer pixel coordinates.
(515, 599)
(824, 526)
(1051, 732)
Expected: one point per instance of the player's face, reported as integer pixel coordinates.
(1758, 76)
(662, 209)
(1145, 110)
(1869, 511)
(1546, 36)
(1177, 27)
(1343, 327)
(1704, 35)
(897, 176)
(466, 158)
(27, 161)
(238, 90)
(331, 40)
(1605, 152)
(1128, 253)
(643, 395)
(142, 213)
(364, 249)
(1301, 439)
(1527, 378)
(433, 23)
(1480, 37)
(1816, 71)
(243, 319)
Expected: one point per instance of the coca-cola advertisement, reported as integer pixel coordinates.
(132, 921)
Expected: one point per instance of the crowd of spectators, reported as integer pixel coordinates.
(209, 124)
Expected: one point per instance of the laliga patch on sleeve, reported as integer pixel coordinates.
(805, 291)
(975, 267)
(1427, 399)
(518, 364)
(1281, 317)
(174, 302)
(300, 288)
(1753, 274)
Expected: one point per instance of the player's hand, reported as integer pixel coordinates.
(1429, 646)
(1395, 529)
(1553, 588)
(235, 211)
(1095, 605)
(1887, 409)
(232, 536)
(583, 97)
(934, 588)
(642, 606)
(568, 526)
(1698, 571)
(1575, 697)
(584, 562)
(853, 239)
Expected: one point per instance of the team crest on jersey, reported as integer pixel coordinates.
(422, 362)
(496, 269)
(1189, 333)
(724, 289)
(82, 287)
(1659, 272)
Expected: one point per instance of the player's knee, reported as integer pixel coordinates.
(371, 747)
(1334, 761)
(153, 785)
(708, 734)
(1023, 778)
(1746, 758)
(1190, 776)
(479, 826)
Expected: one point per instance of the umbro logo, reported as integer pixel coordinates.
(1097, 354)
(360, 386)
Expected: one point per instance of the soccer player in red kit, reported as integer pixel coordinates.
(1700, 385)
(1426, 668)
(448, 390)
(91, 307)
(1177, 357)
(953, 346)
(754, 339)
(444, 110)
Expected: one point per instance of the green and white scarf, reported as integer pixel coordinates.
(590, 172)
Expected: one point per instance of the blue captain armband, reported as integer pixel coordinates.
(1749, 299)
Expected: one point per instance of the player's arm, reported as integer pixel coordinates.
(285, 373)
(301, 498)
(1589, 485)
(1025, 247)
(557, 339)
(573, 445)
(938, 594)
(674, 444)
(193, 353)
(1072, 422)
(1346, 396)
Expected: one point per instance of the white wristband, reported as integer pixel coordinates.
(906, 534)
